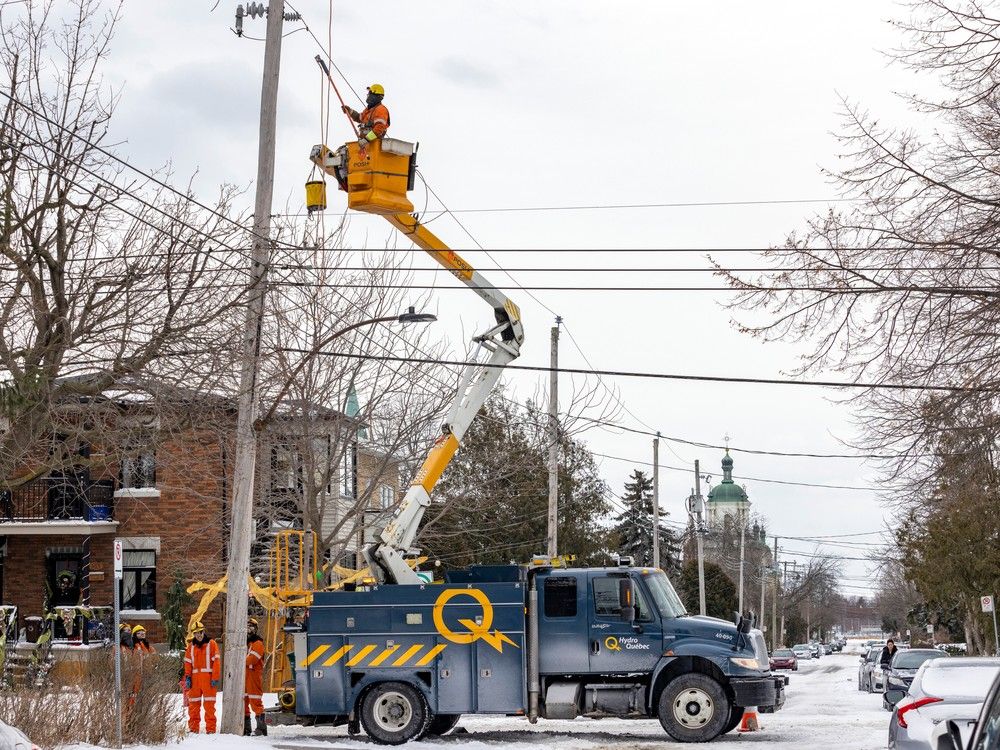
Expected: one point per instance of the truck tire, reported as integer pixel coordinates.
(393, 713)
(694, 708)
(735, 717)
(443, 723)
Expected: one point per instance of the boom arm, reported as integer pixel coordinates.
(502, 341)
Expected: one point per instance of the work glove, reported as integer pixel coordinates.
(187, 682)
(215, 684)
(371, 136)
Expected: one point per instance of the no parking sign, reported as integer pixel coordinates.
(987, 602)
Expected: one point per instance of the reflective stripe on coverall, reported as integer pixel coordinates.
(202, 665)
(253, 698)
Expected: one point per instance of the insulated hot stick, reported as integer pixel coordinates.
(343, 104)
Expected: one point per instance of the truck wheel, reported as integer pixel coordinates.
(694, 708)
(443, 723)
(393, 713)
(735, 717)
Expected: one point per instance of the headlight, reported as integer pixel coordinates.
(745, 663)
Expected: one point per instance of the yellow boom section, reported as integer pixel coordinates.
(376, 178)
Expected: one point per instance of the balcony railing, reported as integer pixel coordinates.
(58, 499)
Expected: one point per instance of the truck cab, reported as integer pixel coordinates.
(614, 639)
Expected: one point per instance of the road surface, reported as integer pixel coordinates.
(823, 711)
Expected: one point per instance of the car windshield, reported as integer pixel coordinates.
(964, 681)
(873, 653)
(801, 647)
(664, 596)
(913, 659)
(783, 652)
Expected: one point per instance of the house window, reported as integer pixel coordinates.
(138, 584)
(349, 472)
(284, 468)
(139, 469)
(386, 496)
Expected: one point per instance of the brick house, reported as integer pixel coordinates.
(166, 498)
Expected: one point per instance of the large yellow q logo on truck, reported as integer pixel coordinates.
(475, 630)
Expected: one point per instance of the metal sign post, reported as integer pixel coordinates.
(989, 606)
(118, 642)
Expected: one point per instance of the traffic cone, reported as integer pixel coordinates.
(749, 722)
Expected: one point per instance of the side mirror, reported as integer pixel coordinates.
(892, 697)
(626, 599)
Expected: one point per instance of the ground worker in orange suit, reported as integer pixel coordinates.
(202, 671)
(253, 698)
(374, 120)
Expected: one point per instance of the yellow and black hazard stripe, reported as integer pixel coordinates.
(373, 655)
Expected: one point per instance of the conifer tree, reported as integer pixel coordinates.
(632, 531)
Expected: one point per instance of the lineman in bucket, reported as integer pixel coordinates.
(202, 672)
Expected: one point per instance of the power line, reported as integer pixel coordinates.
(665, 376)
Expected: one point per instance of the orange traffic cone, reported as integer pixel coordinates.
(749, 722)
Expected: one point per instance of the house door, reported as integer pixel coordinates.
(63, 579)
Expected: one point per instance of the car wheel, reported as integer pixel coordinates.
(443, 723)
(393, 713)
(693, 708)
(868, 686)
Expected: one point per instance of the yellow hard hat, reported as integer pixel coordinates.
(253, 622)
(123, 626)
(137, 629)
(376, 88)
(196, 626)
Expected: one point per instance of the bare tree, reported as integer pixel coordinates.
(113, 285)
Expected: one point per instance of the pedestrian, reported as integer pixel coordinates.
(202, 671)
(139, 642)
(253, 698)
(125, 635)
(374, 120)
(888, 652)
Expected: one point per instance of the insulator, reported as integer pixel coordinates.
(293, 16)
(256, 10)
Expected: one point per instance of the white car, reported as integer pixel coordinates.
(803, 651)
(12, 738)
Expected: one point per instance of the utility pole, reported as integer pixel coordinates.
(700, 531)
(241, 521)
(656, 501)
(774, 600)
(743, 534)
(553, 523)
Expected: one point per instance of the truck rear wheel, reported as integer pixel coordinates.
(393, 713)
(443, 723)
(693, 708)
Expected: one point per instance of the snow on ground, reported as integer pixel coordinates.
(823, 711)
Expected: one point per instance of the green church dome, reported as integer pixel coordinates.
(727, 491)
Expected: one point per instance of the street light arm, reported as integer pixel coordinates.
(262, 422)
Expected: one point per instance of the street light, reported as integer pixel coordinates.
(410, 316)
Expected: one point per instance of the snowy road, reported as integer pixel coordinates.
(823, 711)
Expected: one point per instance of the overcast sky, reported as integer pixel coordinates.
(519, 104)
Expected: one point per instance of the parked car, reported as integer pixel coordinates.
(903, 668)
(837, 646)
(947, 735)
(12, 738)
(817, 649)
(827, 648)
(869, 660)
(784, 658)
(802, 651)
(943, 691)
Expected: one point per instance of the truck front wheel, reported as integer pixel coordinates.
(735, 717)
(393, 713)
(693, 708)
(443, 723)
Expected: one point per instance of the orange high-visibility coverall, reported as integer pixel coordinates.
(374, 118)
(202, 665)
(253, 698)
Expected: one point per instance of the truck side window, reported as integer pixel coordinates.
(560, 596)
(606, 597)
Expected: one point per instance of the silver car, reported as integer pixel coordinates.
(802, 651)
(943, 690)
(869, 661)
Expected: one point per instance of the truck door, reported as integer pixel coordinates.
(563, 623)
(617, 646)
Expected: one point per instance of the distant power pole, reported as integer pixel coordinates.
(700, 531)
(774, 600)
(743, 534)
(241, 521)
(656, 501)
(553, 523)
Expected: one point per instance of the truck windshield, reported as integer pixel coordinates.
(664, 596)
